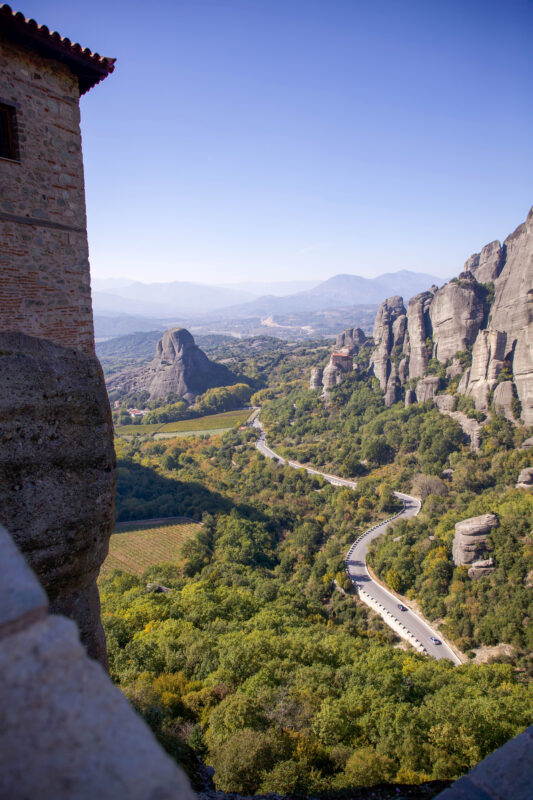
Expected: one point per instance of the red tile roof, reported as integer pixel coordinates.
(91, 68)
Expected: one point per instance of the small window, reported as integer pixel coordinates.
(8, 140)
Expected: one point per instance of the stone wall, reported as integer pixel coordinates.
(44, 266)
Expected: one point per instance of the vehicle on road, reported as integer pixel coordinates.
(435, 640)
(401, 607)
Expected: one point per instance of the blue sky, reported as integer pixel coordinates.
(294, 139)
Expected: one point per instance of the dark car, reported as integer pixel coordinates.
(402, 608)
(435, 640)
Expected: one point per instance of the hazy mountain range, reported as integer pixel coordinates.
(118, 297)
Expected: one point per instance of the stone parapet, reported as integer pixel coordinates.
(67, 733)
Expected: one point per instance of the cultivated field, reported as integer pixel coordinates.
(137, 546)
(208, 424)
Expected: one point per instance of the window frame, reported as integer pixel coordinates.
(9, 112)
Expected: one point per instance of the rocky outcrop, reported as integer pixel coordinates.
(503, 399)
(457, 312)
(410, 397)
(469, 543)
(512, 311)
(315, 381)
(488, 355)
(466, 313)
(481, 568)
(389, 334)
(57, 472)
(179, 367)
(351, 340)
(332, 376)
(426, 388)
(471, 427)
(525, 479)
(487, 265)
(420, 329)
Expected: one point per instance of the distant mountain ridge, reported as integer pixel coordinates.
(340, 291)
(187, 300)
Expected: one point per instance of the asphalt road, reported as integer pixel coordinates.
(384, 601)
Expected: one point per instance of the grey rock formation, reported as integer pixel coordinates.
(512, 310)
(179, 367)
(332, 376)
(426, 388)
(503, 399)
(351, 340)
(487, 265)
(389, 335)
(315, 381)
(420, 329)
(457, 313)
(410, 397)
(527, 444)
(471, 427)
(455, 369)
(57, 472)
(470, 538)
(525, 479)
(393, 387)
(481, 568)
(488, 356)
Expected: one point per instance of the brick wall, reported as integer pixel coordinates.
(44, 266)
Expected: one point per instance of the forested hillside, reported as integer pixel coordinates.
(259, 657)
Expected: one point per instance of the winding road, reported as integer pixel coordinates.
(406, 623)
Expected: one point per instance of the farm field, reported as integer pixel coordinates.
(209, 424)
(136, 546)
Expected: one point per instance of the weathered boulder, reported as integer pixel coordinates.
(351, 340)
(57, 472)
(315, 381)
(386, 337)
(503, 399)
(426, 388)
(470, 538)
(527, 443)
(487, 265)
(457, 312)
(525, 479)
(481, 568)
(420, 329)
(410, 397)
(179, 367)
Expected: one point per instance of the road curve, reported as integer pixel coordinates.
(406, 624)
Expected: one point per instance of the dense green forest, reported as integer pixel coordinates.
(259, 658)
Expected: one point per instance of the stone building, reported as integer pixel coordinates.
(44, 265)
(57, 463)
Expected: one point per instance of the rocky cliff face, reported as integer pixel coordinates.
(351, 340)
(389, 335)
(459, 316)
(419, 329)
(179, 367)
(457, 312)
(57, 472)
